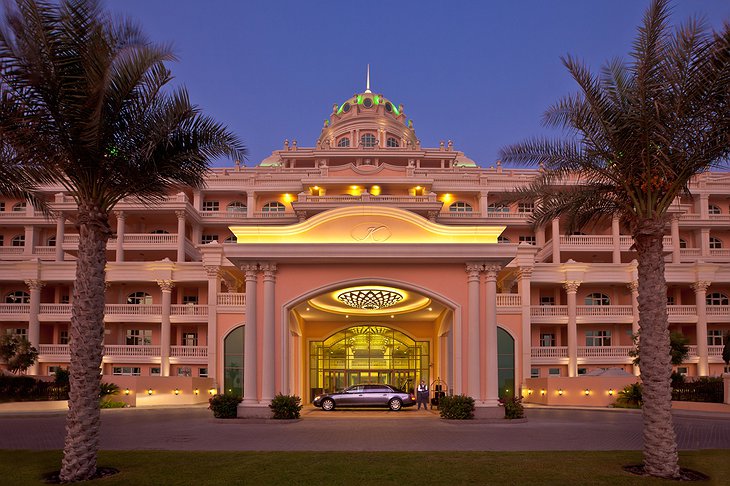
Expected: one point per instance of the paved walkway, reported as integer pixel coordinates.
(193, 428)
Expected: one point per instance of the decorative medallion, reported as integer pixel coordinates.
(370, 299)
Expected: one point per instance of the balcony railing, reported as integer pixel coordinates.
(130, 351)
(133, 309)
(124, 350)
(604, 351)
(604, 310)
(189, 310)
(189, 351)
(549, 310)
(550, 352)
(14, 308)
(237, 299)
(508, 300)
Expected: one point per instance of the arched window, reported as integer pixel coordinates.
(18, 240)
(51, 241)
(236, 207)
(368, 140)
(233, 345)
(392, 142)
(597, 298)
(715, 243)
(712, 209)
(460, 207)
(717, 298)
(139, 298)
(343, 142)
(17, 297)
(20, 207)
(273, 207)
(159, 232)
(502, 239)
(498, 208)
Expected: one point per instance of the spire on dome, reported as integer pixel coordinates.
(367, 83)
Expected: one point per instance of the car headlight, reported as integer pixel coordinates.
(318, 397)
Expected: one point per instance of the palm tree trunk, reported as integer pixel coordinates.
(660, 441)
(86, 346)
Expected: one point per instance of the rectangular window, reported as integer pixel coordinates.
(211, 205)
(547, 340)
(19, 331)
(682, 370)
(126, 371)
(497, 208)
(554, 372)
(582, 371)
(525, 207)
(155, 371)
(714, 337)
(208, 239)
(65, 300)
(527, 239)
(2, 206)
(534, 372)
(547, 300)
(52, 370)
(63, 337)
(203, 372)
(2, 240)
(139, 337)
(190, 339)
(598, 338)
(190, 299)
(184, 371)
(670, 300)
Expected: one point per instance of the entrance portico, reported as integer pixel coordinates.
(363, 274)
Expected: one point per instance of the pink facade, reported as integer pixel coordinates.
(365, 257)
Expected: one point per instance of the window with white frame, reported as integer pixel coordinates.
(392, 142)
(139, 298)
(547, 340)
(17, 297)
(527, 239)
(203, 372)
(211, 205)
(155, 371)
(139, 337)
(18, 240)
(670, 300)
(63, 337)
(525, 208)
(159, 232)
(343, 142)
(20, 207)
(682, 243)
(126, 371)
(368, 140)
(534, 372)
(231, 239)
(2, 206)
(597, 298)
(714, 337)
(498, 208)
(716, 298)
(273, 207)
(715, 243)
(553, 371)
(598, 338)
(21, 332)
(208, 238)
(547, 300)
(184, 371)
(460, 207)
(712, 209)
(236, 207)
(190, 299)
(190, 339)
(502, 239)
(2, 240)
(682, 370)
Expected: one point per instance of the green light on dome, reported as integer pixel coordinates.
(376, 99)
(359, 99)
(341, 107)
(395, 109)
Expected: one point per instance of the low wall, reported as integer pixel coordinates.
(559, 390)
(141, 391)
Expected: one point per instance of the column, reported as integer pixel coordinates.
(34, 324)
(60, 235)
(120, 235)
(250, 383)
(540, 236)
(524, 275)
(705, 241)
(491, 335)
(483, 203)
(634, 288)
(704, 209)
(676, 251)
(180, 236)
(197, 234)
(556, 240)
(616, 237)
(250, 204)
(29, 245)
(473, 374)
(213, 274)
(166, 287)
(268, 373)
(700, 289)
(571, 288)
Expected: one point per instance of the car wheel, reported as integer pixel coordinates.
(328, 404)
(395, 404)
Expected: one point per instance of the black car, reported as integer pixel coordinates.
(376, 395)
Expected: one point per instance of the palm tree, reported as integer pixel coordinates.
(637, 134)
(85, 96)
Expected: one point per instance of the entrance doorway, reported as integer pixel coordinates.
(367, 354)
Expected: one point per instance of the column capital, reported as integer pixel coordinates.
(525, 272)
(633, 286)
(166, 285)
(212, 271)
(492, 271)
(571, 286)
(301, 215)
(180, 214)
(35, 284)
(250, 269)
(473, 270)
(269, 269)
(119, 214)
(700, 286)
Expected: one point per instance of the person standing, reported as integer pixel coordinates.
(422, 395)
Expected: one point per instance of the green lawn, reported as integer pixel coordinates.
(382, 468)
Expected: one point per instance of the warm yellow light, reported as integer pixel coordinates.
(587, 392)
(307, 309)
(418, 188)
(392, 316)
(447, 198)
(126, 391)
(542, 392)
(560, 391)
(330, 303)
(316, 188)
(430, 308)
(288, 198)
(149, 391)
(529, 391)
(375, 190)
(196, 391)
(177, 391)
(212, 391)
(610, 391)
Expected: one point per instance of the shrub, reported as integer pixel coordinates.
(224, 405)
(106, 389)
(456, 407)
(703, 389)
(286, 406)
(111, 404)
(630, 397)
(513, 408)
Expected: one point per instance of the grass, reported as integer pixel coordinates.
(141, 468)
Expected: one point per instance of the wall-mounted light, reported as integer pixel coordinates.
(560, 392)
(212, 391)
(610, 392)
(529, 391)
(126, 391)
(177, 391)
(149, 391)
(196, 391)
(587, 392)
(542, 392)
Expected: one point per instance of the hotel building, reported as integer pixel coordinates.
(363, 258)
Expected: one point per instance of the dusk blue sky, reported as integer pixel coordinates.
(480, 73)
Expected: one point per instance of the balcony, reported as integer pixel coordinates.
(418, 204)
(112, 312)
(232, 303)
(125, 353)
(585, 354)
